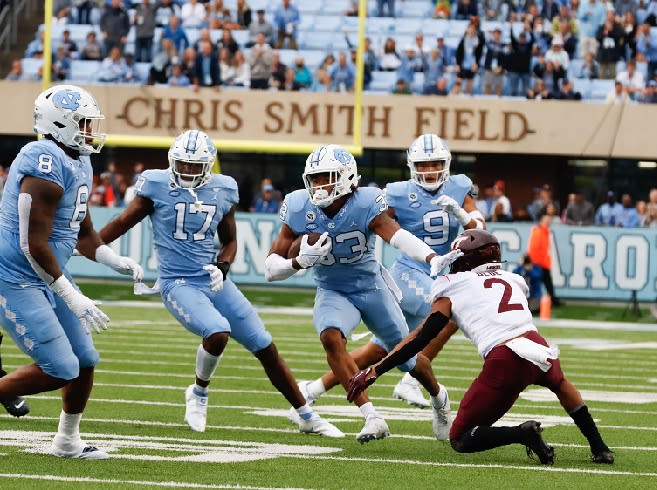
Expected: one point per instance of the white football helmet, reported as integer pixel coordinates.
(429, 148)
(191, 157)
(64, 112)
(341, 167)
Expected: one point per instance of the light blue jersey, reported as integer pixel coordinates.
(415, 213)
(350, 282)
(351, 264)
(47, 161)
(40, 323)
(185, 223)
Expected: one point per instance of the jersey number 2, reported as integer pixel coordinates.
(504, 302)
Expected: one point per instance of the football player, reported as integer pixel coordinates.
(43, 218)
(490, 305)
(352, 285)
(432, 205)
(187, 206)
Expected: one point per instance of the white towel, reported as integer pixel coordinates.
(392, 285)
(141, 289)
(535, 353)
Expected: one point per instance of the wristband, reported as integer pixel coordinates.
(223, 266)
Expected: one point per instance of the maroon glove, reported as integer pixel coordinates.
(359, 382)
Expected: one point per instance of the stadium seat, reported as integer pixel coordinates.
(583, 86)
(383, 81)
(600, 89)
(241, 37)
(328, 23)
(311, 7)
(335, 7)
(142, 70)
(405, 25)
(31, 68)
(84, 70)
(415, 8)
(435, 27)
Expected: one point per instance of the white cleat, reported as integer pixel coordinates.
(196, 409)
(375, 428)
(303, 388)
(75, 449)
(293, 416)
(442, 418)
(408, 389)
(317, 425)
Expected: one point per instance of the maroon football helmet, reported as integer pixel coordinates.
(478, 247)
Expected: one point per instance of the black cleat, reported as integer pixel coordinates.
(603, 457)
(16, 406)
(531, 431)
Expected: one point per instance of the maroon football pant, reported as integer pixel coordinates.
(504, 376)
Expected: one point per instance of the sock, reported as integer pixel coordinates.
(316, 388)
(69, 425)
(206, 363)
(587, 426)
(367, 409)
(440, 399)
(304, 411)
(407, 378)
(200, 390)
(483, 437)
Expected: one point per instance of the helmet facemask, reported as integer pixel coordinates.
(429, 148)
(341, 169)
(191, 157)
(71, 116)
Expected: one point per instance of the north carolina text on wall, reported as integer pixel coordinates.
(469, 125)
(587, 262)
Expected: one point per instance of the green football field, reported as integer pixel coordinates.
(137, 406)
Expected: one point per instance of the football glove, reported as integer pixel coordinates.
(122, 265)
(439, 262)
(216, 277)
(452, 207)
(309, 255)
(359, 382)
(91, 318)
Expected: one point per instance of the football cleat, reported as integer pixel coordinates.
(603, 457)
(304, 389)
(531, 431)
(317, 425)
(196, 410)
(63, 448)
(17, 406)
(293, 416)
(409, 391)
(442, 418)
(375, 428)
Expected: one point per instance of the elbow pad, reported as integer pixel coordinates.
(278, 268)
(410, 245)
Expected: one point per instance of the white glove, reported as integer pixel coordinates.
(439, 262)
(309, 255)
(85, 309)
(452, 207)
(216, 277)
(122, 265)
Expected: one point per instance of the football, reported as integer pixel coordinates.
(293, 251)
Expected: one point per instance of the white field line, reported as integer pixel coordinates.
(561, 323)
(145, 483)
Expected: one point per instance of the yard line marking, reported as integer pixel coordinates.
(146, 483)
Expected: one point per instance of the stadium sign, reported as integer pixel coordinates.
(588, 262)
(140, 115)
